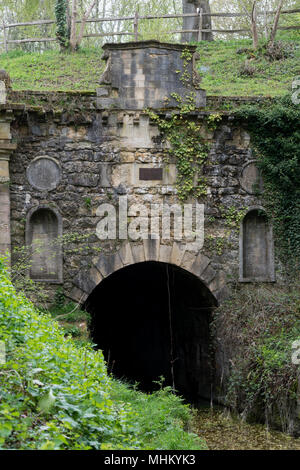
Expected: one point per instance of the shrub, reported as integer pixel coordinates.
(258, 326)
(56, 395)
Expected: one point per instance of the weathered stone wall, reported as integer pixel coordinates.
(147, 74)
(98, 159)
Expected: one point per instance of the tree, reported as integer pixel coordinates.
(192, 6)
(76, 38)
(66, 13)
(254, 26)
(275, 24)
(62, 32)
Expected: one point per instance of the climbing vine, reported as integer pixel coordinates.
(275, 135)
(232, 218)
(62, 30)
(186, 144)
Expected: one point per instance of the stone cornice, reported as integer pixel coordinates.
(149, 44)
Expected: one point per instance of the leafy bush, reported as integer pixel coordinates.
(258, 326)
(56, 395)
(162, 416)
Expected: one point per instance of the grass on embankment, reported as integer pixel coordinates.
(53, 70)
(220, 66)
(55, 394)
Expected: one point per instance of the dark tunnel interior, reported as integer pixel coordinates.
(152, 319)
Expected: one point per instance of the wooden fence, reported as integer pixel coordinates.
(136, 21)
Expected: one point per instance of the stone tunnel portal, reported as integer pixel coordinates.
(152, 319)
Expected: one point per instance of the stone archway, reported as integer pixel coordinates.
(99, 288)
(150, 250)
(152, 320)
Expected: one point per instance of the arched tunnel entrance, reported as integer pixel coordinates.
(152, 319)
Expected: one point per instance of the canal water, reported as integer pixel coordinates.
(223, 431)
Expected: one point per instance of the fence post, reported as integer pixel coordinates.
(200, 24)
(266, 23)
(136, 26)
(4, 37)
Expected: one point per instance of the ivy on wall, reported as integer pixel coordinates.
(189, 150)
(275, 134)
(184, 135)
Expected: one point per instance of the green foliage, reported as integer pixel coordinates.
(56, 395)
(219, 67)
(258, 326)
(62, 30)
(190, 152)
(59, 298)
(88, 202)
(276, 139)
(186, 144)
(53, 70)
(221, 61)
(232, 218)
(162, 416)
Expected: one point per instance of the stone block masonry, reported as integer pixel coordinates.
(77, 151)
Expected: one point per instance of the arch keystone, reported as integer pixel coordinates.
(165, 253)
(151, 249)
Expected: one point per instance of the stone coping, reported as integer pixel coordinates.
(148, 44)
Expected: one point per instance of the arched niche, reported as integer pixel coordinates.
(256, 247)
(43, 231)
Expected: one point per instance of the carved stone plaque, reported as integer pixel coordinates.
(44, 173)
(151, 174)
(251, 179)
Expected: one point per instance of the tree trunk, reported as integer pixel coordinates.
(191, 6)
(83, 23)
(206, 20)
(188, 22)
(73, 26)
(254, 26)
(275, 25)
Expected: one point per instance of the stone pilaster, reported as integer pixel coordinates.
(6, 148)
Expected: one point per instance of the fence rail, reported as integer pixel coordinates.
(136, 19)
